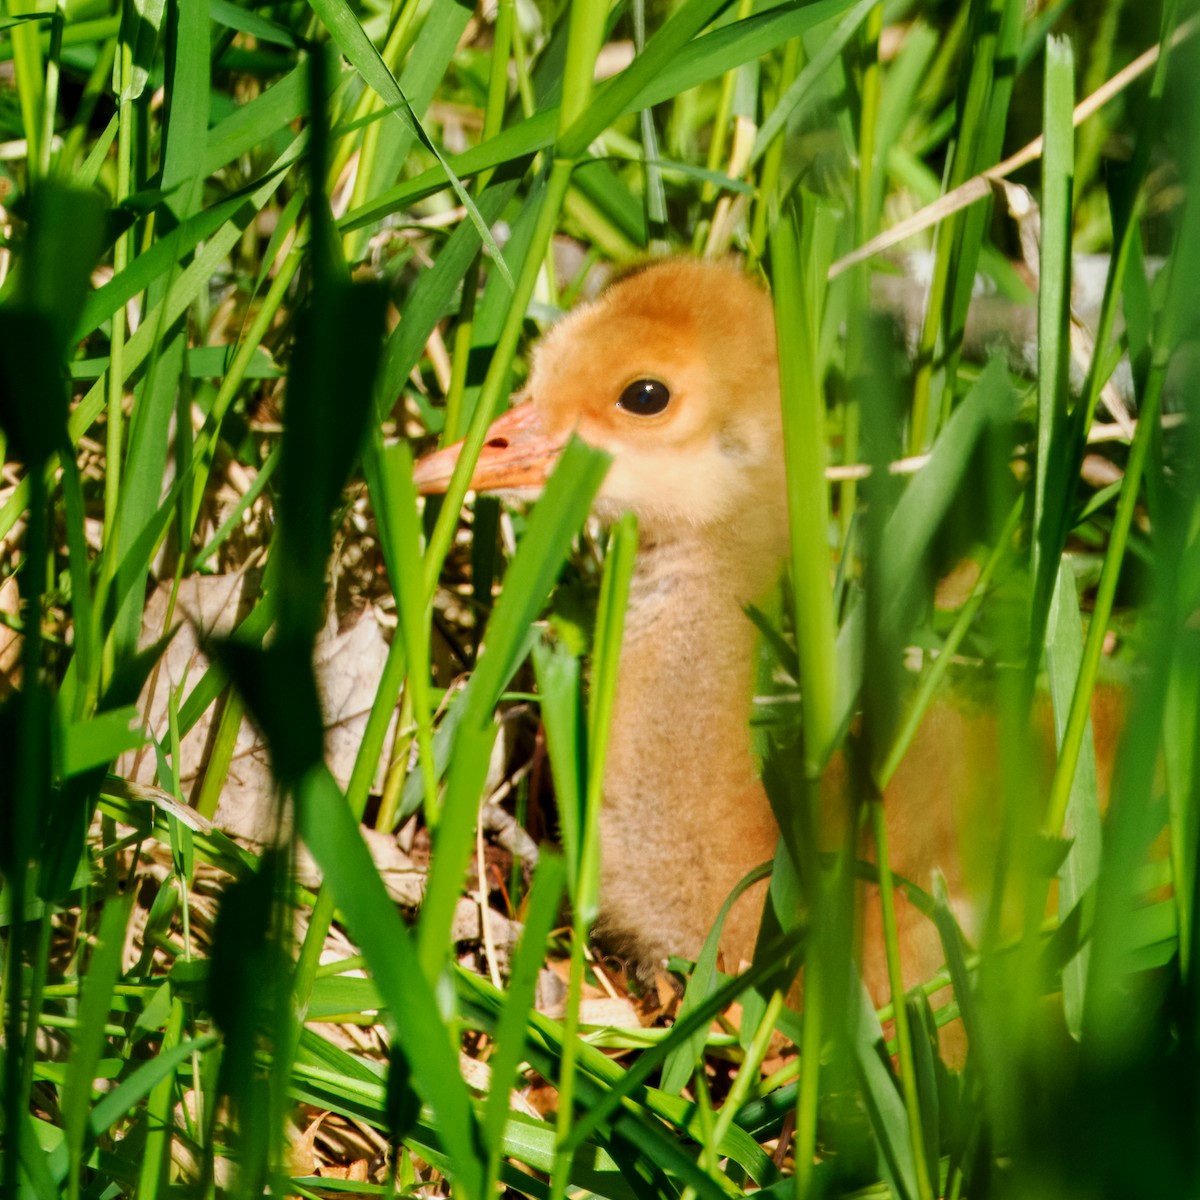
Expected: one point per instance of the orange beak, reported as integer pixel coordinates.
(518, 453)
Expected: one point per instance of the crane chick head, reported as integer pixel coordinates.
(673, 371)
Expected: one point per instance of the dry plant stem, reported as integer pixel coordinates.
(909, 465)
(485, 925)
(730, 210)
(601, 974)
(983, 184)
(858, 471)
(397, 771)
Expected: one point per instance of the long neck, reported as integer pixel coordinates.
(684, 815)
(687, 660)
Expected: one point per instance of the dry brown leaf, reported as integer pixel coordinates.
(609, 1012)
(551, 993)
(1098, 471)
(357, 1172)
(349, 666)
(302, 1154)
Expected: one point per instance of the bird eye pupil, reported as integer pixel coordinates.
(645, 397)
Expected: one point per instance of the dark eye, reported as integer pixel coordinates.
(645, 398)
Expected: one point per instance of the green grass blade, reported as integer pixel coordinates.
(560, 685)
(606, 654)
(396, 502)
(1053, 483)
(1071, 742)
(556, 519)
(141, 21)
(1064, 652)
(156, 1154)
(703, 59)
(990, 405)
(360, 50)
(88, 1043)
(579, 124)
(610, 623)
(27, 60)
(585, 36)
(384, 150)
(653, 190)
(98, 741)
(981, 114)
(258, 122)
(432, 295)
(541, 913)
(627, 1083)
(544, 217)
(332, 837)
(681, 1063)
(884, 1105)
(803, 86)
(596, 1069)
(233, 16)
(799, 298)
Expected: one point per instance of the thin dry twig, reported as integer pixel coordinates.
(485, 925)
(983, 184)
(1114, 432)
(902, 466)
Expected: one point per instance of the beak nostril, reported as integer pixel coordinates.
(498, 443)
